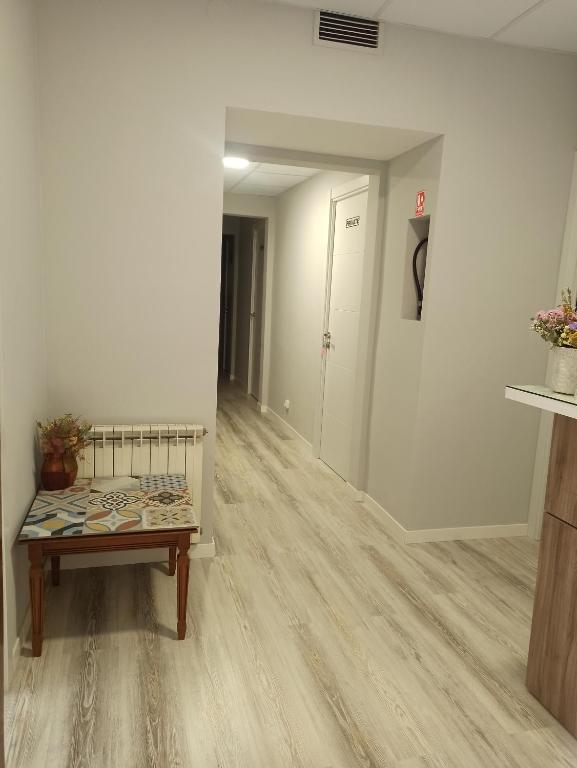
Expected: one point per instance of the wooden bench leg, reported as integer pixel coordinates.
(36, 595)
(183, 567)
(55, 561)
(172, 561)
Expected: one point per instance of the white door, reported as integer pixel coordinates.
(343, 303)
(256, 303)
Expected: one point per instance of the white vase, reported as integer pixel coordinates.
(564, 370)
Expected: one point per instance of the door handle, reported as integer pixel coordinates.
(253, 314)
(327, 339)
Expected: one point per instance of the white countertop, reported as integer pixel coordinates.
(543, 398)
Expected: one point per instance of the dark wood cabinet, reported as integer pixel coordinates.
(552, 664)
(552, 661)
(561, 496)
(1, 640)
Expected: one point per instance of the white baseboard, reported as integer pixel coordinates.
(69, 562)
(202, 550)
(506, 531)
(354, 493)
(287, 426)
(258, 406)
(421, 536)
(397, 531)
(17, 648)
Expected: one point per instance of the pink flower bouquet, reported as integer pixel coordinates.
(558, 326)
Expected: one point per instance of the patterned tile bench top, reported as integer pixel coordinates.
(112, 505)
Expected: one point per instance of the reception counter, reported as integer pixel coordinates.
(552, 661)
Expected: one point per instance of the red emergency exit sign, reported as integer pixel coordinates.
(420, 203)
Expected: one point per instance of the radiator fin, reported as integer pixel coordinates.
(121, 450)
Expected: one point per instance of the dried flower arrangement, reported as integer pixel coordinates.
(65, 435)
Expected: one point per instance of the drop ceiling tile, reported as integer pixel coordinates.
(551, 25)
(274, 179)
(357, 7)
(265, 178)
(244, 188)
(293, 170)
(477, 18)
(233, 175)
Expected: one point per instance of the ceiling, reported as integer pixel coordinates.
(548, 24)
(265, 179)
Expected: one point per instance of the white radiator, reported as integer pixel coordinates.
(122, 450)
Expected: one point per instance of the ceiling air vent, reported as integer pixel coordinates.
(342, 30)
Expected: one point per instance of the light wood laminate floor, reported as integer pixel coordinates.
(314, 641)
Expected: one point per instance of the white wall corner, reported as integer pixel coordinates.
(368, 321)
(202, 550)
(422, 536)
(288, 427)
(257, 405)
(397, 531)
(354, 493)
(567, 277)
(16, 651)
(540, 472)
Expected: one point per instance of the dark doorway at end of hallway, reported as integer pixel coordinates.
(241, 330)
(226, 307)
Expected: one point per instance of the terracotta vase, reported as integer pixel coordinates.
(58, 472)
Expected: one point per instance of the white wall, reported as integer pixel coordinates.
(391, 471)
(22, 315)
(243, 294)
(133, 105)
(302, 230)
(133, 188)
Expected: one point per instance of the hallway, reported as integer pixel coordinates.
(314, 641)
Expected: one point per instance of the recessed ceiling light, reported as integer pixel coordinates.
(235, 162)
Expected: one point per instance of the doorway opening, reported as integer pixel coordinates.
(323, 287)
(347, 240)
(241, 328)
(226, 306)
(302, 320)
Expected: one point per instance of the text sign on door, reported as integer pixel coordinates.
(354, 221)
(420, 204)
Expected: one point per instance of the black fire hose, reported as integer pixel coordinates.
(418, 286)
